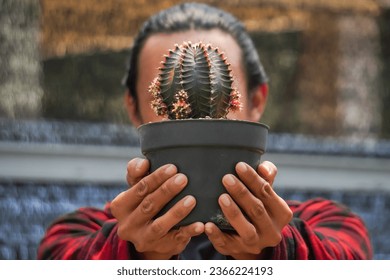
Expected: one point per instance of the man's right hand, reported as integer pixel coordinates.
(136, 208)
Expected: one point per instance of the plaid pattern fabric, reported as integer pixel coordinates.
(320, 229)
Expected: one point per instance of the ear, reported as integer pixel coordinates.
(258, 101)
(132, 109)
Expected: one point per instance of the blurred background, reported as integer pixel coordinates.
(65, 137)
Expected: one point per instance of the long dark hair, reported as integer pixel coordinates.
(196, 16)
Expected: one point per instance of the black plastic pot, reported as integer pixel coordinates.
(204, 150)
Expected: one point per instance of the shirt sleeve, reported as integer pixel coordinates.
(322, 230)
(87, 233)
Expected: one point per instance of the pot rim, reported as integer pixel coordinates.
(163, 122)
(203, 132)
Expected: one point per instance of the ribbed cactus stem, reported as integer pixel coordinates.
(195, 81)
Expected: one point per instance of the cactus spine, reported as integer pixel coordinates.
(195, 81)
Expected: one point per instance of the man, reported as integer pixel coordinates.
(276, 229)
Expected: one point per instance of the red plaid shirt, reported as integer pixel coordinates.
(321, 229)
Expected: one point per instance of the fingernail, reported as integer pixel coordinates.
(170, 170)
(208, 229)
(189, 201)
(266, 166)
(225, 200)
(180, 179)
(198, 228)
(242, 167)
(139, 163)
(229, 180)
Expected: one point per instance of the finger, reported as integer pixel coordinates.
(118, 206)
(250, 178)
(137, 168)
(177, 240)
(237, 220)
(268, 171)
(217, 238)
(155, 201)
(239, 192)
(254, 207)
(251, 236)
(128, 200)
(192, 230)
(185, 233)
(277, 208)
(162, 225)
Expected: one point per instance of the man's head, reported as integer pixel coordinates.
(194, 22)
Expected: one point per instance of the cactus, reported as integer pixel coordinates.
(195, 81)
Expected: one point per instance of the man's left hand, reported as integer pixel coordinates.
(253, 209)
